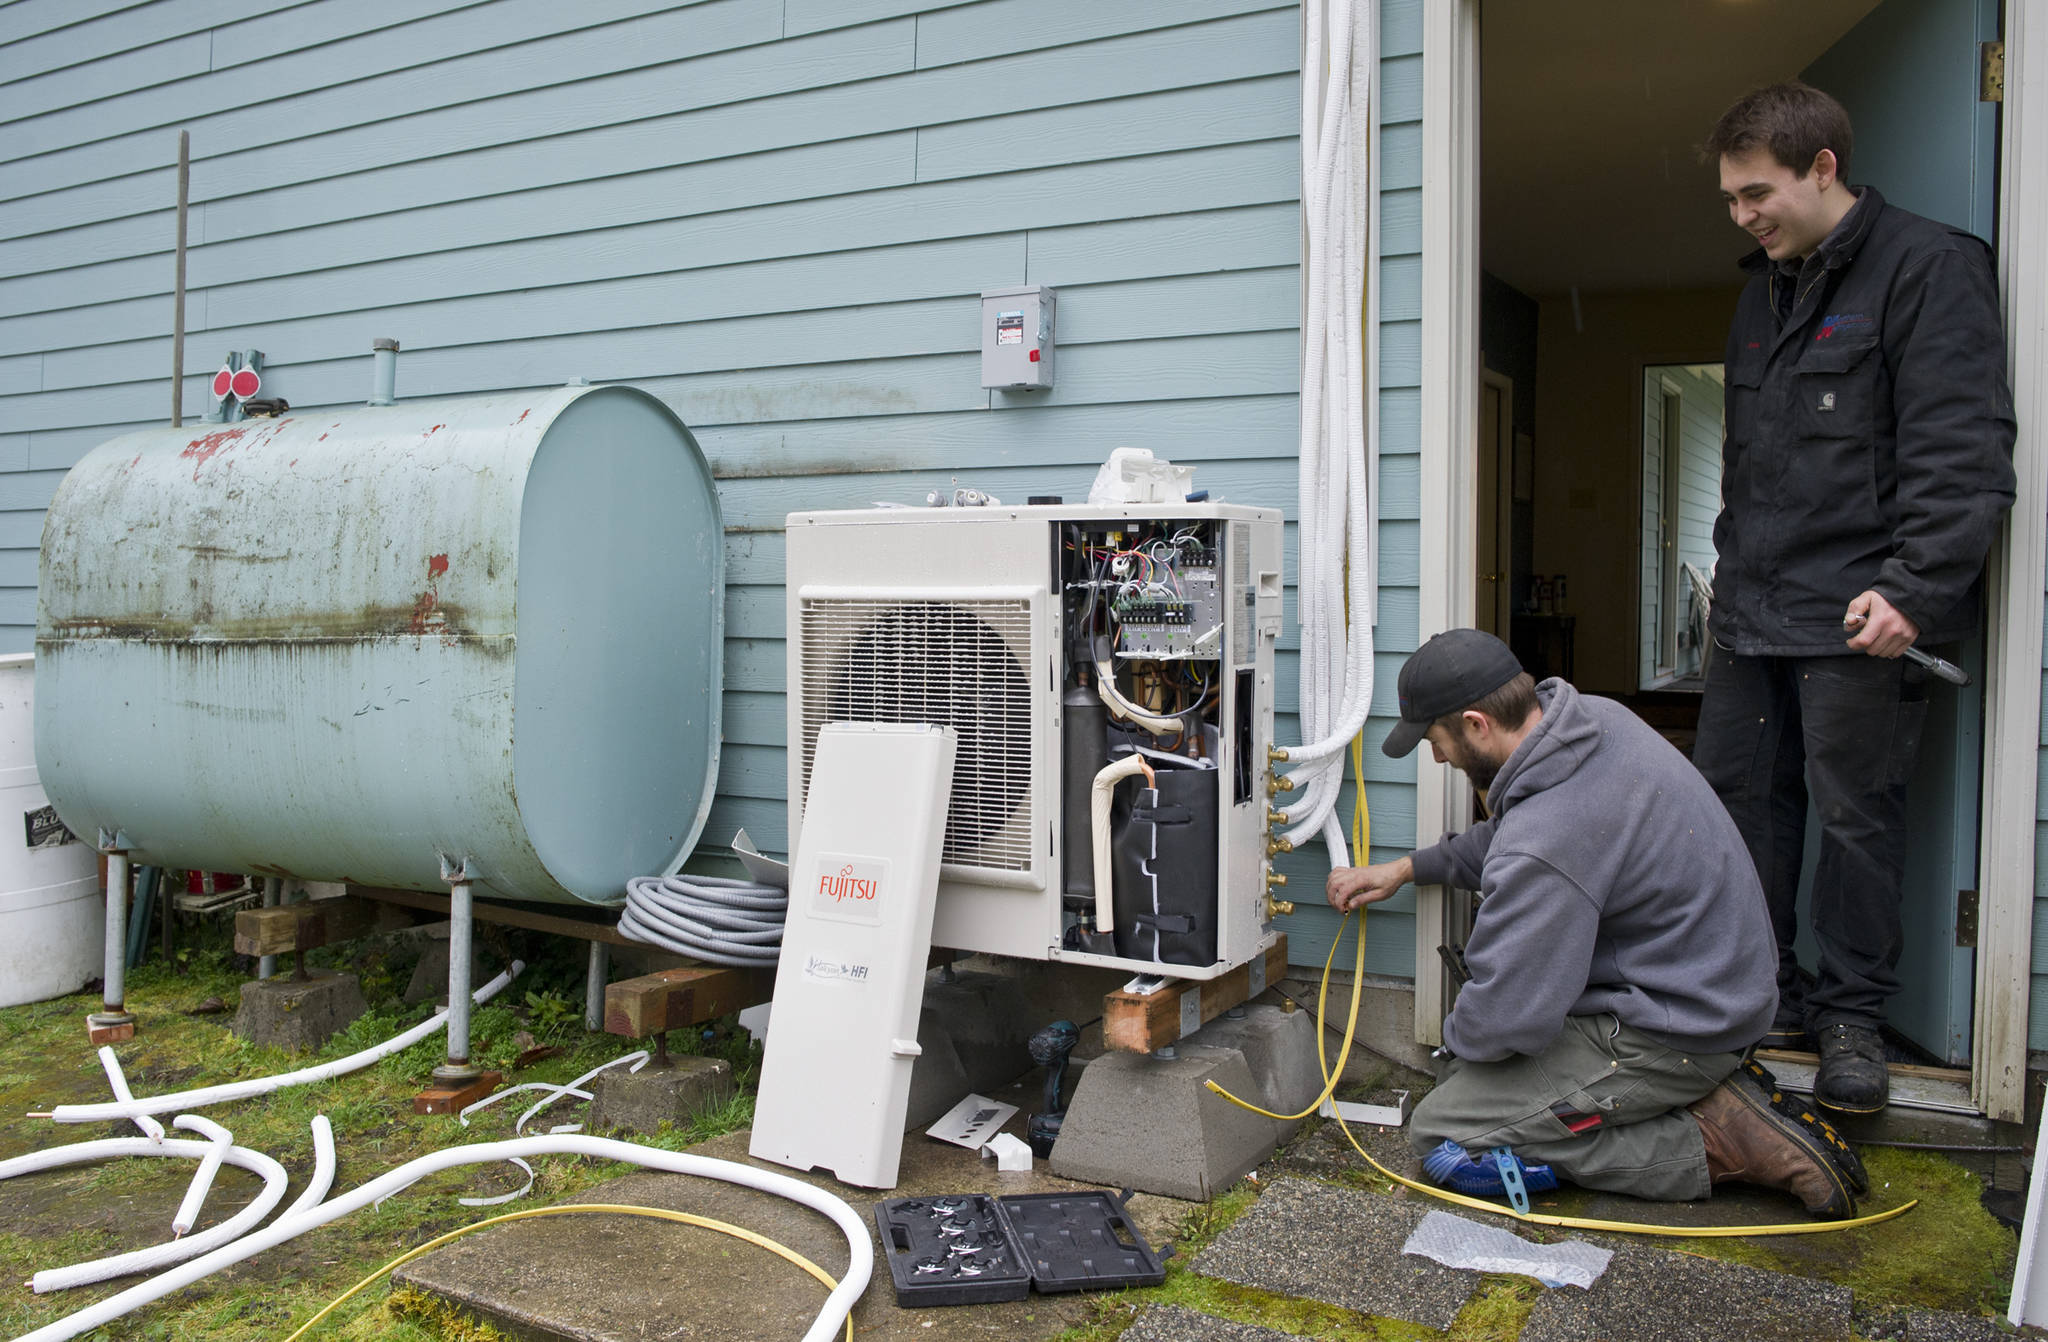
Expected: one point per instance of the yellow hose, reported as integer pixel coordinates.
(1533, 1218)
(578, 1209)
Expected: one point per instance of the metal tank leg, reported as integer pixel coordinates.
(461, 914)
(112, 1022)
(273, 895)
(458, 1082)
(594, 984)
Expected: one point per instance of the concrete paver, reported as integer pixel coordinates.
(609, 1279)
(1933, 1325)
(1653, 1295)
(1340, 1246)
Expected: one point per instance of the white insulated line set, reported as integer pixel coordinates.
(190, 1257)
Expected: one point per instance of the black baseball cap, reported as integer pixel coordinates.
(1452, 671)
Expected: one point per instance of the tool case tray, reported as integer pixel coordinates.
(1080, 1242)
(951, 1249)
(971, 1249)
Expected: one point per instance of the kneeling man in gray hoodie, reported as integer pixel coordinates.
(1621, 960)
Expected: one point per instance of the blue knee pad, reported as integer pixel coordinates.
(1457, 1169)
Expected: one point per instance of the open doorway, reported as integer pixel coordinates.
(1608, 278)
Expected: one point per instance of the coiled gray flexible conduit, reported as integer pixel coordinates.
(709, 918)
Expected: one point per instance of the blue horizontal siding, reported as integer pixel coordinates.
(775, 216)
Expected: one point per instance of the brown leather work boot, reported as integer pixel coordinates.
(1751, 1143)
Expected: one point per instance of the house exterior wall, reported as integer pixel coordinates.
(776, 215)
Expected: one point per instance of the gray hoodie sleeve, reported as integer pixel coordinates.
(1530, 952)
(1455, 860)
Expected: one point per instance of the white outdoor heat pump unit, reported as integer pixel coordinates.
(1108, 672)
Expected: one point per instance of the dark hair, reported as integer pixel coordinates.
(1510, 705)
(1794, 121)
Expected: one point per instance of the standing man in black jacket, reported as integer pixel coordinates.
(1866, 471)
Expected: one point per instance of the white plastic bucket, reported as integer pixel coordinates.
(52, 914)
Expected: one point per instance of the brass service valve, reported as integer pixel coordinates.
(1275, 817)
(1278, 782)
(1278, 908)
(1275, 755)
(1274, 878)
(1277, 846)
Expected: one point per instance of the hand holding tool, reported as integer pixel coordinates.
(1947, 670)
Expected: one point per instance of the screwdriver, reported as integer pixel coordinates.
(1947, 670)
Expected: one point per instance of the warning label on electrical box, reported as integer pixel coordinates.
(1010, 328)
(849, 889)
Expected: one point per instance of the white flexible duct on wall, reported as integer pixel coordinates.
(1338, 464)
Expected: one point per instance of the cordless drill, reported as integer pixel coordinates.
(1050, 1049)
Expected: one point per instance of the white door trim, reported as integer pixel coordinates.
(1450, 374)
(1450, 425)
(2012, 691)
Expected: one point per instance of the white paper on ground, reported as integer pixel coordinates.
(1457, 1242)
(972, 1121)
(1010, 1153)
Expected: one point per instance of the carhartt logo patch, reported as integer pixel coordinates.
(1827, 401)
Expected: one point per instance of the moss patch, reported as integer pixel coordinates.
(1496, 1311)
(1948, 1253)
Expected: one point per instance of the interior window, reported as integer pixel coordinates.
(1681, 459)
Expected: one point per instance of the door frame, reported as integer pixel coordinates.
(2013, 673)
(1451, 369)
(1500, 509)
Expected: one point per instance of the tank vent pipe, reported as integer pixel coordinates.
(383, 371)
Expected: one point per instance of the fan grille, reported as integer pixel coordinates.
(956, 663)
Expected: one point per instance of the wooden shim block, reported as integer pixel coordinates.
(1132, 1023)
(445, 1099)
(302, 927)
(109, 1034)
(505, 915)
(672, 998)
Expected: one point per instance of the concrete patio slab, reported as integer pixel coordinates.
(1653, 1295)
(1340, 1246)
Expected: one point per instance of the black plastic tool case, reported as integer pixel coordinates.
(1080, 1242)
(954, 1249)
(969, 1249)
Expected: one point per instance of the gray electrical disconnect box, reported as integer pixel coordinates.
(1016, 337)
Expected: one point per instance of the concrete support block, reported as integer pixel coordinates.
(974, 1033)
(1280, 1049)
(299, 1014)
(1151, 1123)
(429, 982)
(642, 1101)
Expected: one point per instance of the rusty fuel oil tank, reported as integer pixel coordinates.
(347, 644)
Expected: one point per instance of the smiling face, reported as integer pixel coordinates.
(1787, 214)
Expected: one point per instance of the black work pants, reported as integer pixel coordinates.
(1845, 731)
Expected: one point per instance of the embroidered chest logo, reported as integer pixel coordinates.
(1827, 401)
(1841, 322)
